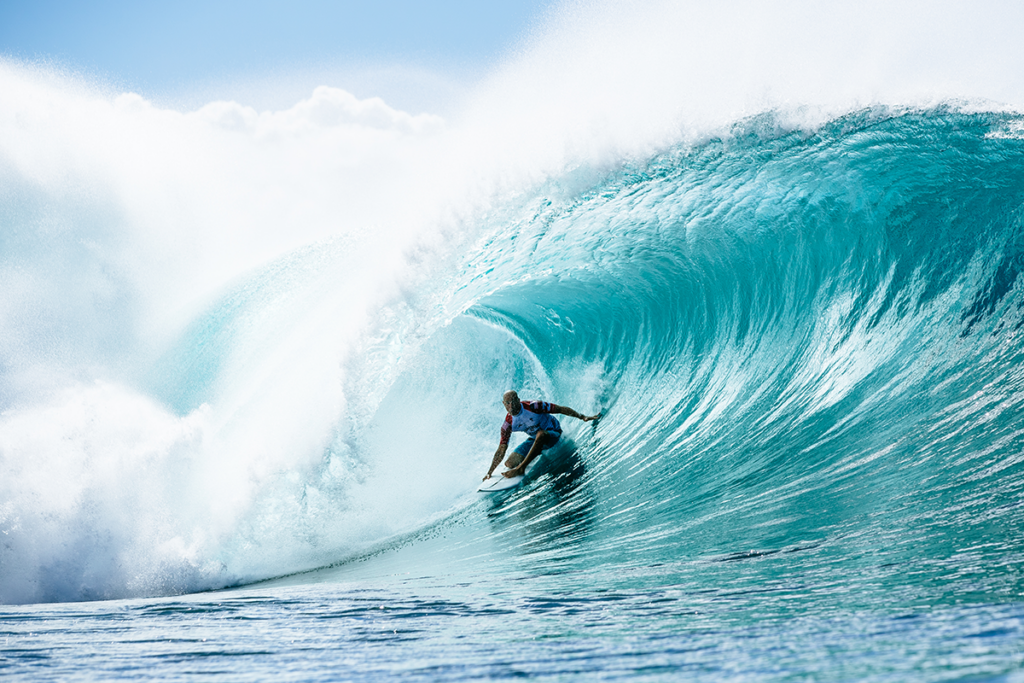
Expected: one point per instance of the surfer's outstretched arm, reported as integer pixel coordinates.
(563, 410)
(498, 455)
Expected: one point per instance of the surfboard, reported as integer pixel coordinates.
(499, 482)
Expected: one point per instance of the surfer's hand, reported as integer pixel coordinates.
(486, 477)
(592, 417)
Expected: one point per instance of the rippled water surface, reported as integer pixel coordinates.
(424, 630)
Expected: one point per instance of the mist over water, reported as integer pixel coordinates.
(780, 248)
(174, 280)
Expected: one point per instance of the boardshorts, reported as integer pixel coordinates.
(550, 440)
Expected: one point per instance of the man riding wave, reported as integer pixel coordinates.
(536, 419)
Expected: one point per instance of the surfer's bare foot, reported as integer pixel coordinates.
(514, 472)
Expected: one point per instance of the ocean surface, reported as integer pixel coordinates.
(228, 453)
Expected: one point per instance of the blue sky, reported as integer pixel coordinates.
(171, 49)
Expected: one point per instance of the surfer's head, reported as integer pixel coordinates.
(511, 401)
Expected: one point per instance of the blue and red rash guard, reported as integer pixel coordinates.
(535, 416)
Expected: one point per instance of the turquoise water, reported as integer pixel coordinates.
(428, 629)
(807, 343)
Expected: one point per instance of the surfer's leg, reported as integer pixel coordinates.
(543, 440)
(519, 454)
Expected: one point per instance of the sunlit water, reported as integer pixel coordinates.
(251, 365)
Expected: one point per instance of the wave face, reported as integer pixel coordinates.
(804, 341)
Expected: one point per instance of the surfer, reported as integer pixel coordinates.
(534, 418)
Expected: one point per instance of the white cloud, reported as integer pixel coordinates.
(327, 108)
